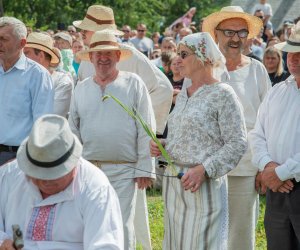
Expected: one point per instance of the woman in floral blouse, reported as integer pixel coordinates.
(206, 140)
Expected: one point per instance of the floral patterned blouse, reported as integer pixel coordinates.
(208, 128)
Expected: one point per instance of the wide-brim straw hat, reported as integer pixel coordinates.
(98, 17)
(51, 151)
(104, 40)
(292, 45)
(42, 42)
(210, 23)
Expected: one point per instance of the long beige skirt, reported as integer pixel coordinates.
(195, 221)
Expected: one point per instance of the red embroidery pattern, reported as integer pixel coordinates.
(40, 225)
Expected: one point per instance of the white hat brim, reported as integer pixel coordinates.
(84, 55)
(284, 46)
(212, 21)
(48, 173)
(87, 24)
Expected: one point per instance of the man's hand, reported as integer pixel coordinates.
(142, 182)
(193, 178)
(270, 178)
(154, 150)
(287, 186)
(7, 245)
(259, 186)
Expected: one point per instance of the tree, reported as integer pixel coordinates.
(156, 14)
(1, 8)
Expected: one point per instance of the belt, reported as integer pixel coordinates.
(100, 163)
(4, 148)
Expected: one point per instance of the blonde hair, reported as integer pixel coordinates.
(273, 51)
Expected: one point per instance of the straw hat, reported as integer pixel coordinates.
(212, 21)
(98, 18)
(51, 151)
(293, 43)
(104, 40)
(42, 42)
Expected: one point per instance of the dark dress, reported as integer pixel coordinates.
(276, 79)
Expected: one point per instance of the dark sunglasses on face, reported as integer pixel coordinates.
(141, 30)
(231, 33)
(184, 54)
(126, 31)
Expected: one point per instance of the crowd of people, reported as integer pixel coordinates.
(222, 98)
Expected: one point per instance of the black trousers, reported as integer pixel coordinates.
(6, 156)
(282, 219)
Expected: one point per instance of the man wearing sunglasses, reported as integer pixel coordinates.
(231, 27)
(141, 42)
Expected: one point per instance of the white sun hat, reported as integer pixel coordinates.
(292, 45)
(51, 150)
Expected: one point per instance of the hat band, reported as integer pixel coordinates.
(99, 21)
(39, 45)
(292, 43)
(103, 43)
(51, 164)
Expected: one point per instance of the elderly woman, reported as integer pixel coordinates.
(206, 140)
(274, 64)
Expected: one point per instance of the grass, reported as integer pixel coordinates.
(156, 213)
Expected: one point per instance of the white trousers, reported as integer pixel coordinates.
(243, 212)
(126, 191)
(141, 220)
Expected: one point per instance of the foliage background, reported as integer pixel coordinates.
(157, 14)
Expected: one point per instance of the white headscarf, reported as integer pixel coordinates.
(207, 51)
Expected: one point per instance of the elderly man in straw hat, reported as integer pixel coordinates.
(26, 90)
(275, 144)
(59, 200)
(98, 18)
(112, 140)
(231, 27)
(39, 47)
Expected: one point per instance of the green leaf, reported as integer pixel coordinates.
(136, 116)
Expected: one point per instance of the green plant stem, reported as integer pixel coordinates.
(136, 116)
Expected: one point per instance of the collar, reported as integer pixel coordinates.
(20, 64)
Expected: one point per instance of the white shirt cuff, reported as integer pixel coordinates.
(283, 173)
(263, 162)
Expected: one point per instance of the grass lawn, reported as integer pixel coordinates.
(156, 213)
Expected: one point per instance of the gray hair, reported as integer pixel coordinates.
(19, 28)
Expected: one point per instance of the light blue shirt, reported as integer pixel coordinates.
(26, 93)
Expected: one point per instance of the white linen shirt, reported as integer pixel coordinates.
(276, 136)
(86, 215)
(107, 132)
(63, 89)
(251, 83)
(158, 85)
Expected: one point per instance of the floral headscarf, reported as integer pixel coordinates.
(207, 51)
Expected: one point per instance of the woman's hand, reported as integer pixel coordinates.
(154, 150)
(193, 178)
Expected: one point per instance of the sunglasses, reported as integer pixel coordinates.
(156, 56)
(231, 33)
(126, 31)
(141, 30)
(184, 54)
